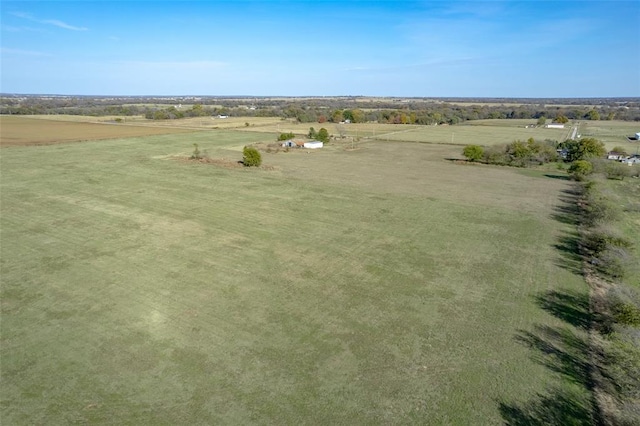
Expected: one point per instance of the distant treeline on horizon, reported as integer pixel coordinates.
(399, 110)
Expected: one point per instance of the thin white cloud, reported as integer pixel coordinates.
(11, 29)
(54, 22)
(8, 51)
(175, 66)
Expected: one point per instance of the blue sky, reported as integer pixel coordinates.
(303, 48)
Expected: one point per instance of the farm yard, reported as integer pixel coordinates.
(380, 285)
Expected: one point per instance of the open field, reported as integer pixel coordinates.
(481, 132)
(612, 133)
(384, 285)
(18, 131)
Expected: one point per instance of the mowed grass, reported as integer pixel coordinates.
(20, 130)
(480, 132)
(613, 133)
(380, 286)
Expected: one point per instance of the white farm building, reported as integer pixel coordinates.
(313, 144)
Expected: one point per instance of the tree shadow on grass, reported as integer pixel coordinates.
(564, 350)
(568, 211)
(571, 307)
(568, 249)
(560, 177)
(557, 407)
(566, 353)
(560, 350)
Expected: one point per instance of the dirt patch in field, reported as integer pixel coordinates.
(27, 131)
(221, 162)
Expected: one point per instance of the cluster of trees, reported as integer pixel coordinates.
(517, 153)
(172, 112)
(532, 152)
(321, 135)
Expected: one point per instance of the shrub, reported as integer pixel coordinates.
(580, 169)
(473, 152)
(612, 263)
(616, 170)
(323, 135)
(196, 152)
(286, 136)
(496, 155)
(597, 240)
(626, 314)
(251, 157)
(597, 210)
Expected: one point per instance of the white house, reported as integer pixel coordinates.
(555, 126)
(612, 155)
(313, 144)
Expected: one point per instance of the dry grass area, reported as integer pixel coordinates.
(21, 131)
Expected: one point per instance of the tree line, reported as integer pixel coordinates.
(335, 110)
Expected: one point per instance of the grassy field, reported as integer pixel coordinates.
(19, 130)
(481, 132)
(384, 285)
(612, 133)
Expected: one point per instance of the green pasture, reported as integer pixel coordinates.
(465, 134)
(482, 132)
(612, 133)
(382, 285)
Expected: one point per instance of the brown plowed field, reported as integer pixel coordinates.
(21, 131)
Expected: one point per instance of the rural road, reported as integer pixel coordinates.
(574, 131)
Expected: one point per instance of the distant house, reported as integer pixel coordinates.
(313, 144)
(223, 116)
(292, 144)
(613, 155)
(554, 126)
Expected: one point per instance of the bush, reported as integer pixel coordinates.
(196, 152)
(473, 152)
(613, 263)
(496, 155)
(286, 136)
(323, 135)
(597, 240)
(251, 157)
(626, 314)
(616, 170)
(597, 210)
(580, 169)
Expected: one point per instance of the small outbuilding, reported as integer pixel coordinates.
(555, 126)
(313, 144)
